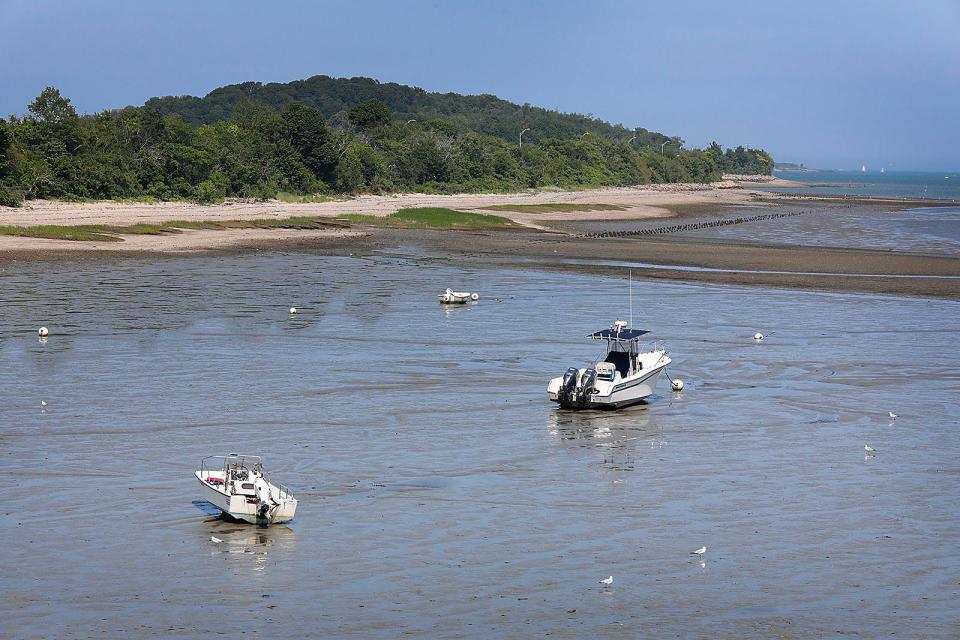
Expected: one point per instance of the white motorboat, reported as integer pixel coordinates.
(456, 297)
(623, 377)
(237, 485)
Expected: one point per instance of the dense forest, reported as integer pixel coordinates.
(324, 135)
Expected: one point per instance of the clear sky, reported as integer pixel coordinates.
(833, 84)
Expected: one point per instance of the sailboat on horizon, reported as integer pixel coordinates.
(863, 168)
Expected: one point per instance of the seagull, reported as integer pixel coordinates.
(868, 448)
(215, 540)
(892, 415)
(43, 403)
(699, 552)
(607, 580)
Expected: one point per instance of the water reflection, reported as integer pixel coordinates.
(617, 435)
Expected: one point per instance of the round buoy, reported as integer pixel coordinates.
(677, 385)
(758, 337)
(43, 332)
(474, 296)
(293, 309)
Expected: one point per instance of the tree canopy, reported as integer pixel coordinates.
(257, 148)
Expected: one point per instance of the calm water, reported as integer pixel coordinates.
(912, 184)
(927, 230)
(441, 495)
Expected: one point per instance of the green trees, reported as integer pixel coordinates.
(305, 129)
(747, 161)
(259, 149)
(369, 114)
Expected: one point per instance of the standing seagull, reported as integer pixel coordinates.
(699, 552)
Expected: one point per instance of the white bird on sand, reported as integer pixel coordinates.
(215, 540)
(699, 552)
(607, 580)
(892, 415)
(868, 448)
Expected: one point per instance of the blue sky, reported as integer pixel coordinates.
(830, 84)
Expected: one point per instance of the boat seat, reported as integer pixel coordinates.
(606, 371)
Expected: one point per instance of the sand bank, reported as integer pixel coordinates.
(187, 241)
(653, 200)
(806, 266)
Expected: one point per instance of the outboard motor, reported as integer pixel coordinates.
(568, 388)
(587, 381)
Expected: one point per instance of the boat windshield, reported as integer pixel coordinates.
(232, 461)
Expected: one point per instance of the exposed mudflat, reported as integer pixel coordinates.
(441, 494)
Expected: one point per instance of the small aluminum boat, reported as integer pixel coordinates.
(237, 485)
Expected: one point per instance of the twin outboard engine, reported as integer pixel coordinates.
(572, 396)
(587, 381)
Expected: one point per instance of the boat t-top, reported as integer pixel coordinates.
(237, 485)
(623, 377)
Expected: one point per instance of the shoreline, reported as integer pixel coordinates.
(541, 241)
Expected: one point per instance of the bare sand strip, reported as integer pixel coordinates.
(651, 201)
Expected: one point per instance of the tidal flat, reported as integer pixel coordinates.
(441, 494)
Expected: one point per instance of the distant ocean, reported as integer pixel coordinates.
(915, 184)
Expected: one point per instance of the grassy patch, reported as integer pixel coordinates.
(555, 207)
(433, 218)
(111, 233)
(85, 232)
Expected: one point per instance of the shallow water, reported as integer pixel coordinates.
(441, 494)
(928, 230)
(902, 184)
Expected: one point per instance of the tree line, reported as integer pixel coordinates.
(258, 150)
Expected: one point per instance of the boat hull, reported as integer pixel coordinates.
(242, 508)
(626, 393)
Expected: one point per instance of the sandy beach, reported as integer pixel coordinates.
(548, 238)
(640, 202)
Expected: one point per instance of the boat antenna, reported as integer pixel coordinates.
(630, 286)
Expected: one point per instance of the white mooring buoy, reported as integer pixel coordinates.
(43, 332)
(474, 296)
(676, 385)
(758, 337)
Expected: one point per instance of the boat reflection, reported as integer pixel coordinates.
(619, 435)
(255, 543)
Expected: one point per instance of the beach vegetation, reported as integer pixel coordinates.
(433, 218)
(113, 233)
(258, 141)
